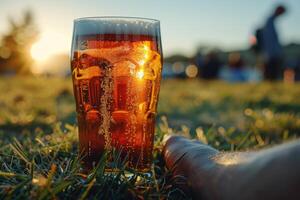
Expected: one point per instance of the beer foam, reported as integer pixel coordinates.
(115, 25)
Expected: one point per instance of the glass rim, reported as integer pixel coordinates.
(150, 20)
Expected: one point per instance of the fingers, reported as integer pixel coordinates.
(187, 157)
(191, 161)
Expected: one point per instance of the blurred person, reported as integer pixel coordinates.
(256, 45)
(198, 60)
(271, 47)
(297, 70)
(289, 75)
(235, 71)
(291, 71)
(211, 66)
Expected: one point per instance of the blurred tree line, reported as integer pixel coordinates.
(16, 44)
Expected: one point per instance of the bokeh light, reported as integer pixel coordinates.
(191, 71)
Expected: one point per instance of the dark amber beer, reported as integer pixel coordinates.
(116, 69)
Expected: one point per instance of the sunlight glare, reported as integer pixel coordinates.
(39, 52)
(48, 45)
(140, 74)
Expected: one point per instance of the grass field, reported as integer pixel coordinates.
(38, 135)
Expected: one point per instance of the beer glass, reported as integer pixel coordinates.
(116, 65)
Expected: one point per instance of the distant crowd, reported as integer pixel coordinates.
(269, 60)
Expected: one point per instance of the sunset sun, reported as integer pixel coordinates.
(48, 45)
(42, 50)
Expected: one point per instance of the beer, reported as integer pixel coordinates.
(116, 77)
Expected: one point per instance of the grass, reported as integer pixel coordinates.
(38, 134)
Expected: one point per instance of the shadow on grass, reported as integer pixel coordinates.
(10, 130)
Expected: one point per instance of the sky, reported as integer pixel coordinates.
(185, 24)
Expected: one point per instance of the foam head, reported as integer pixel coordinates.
(116, 25)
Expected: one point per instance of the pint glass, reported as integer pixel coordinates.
(116, 65)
